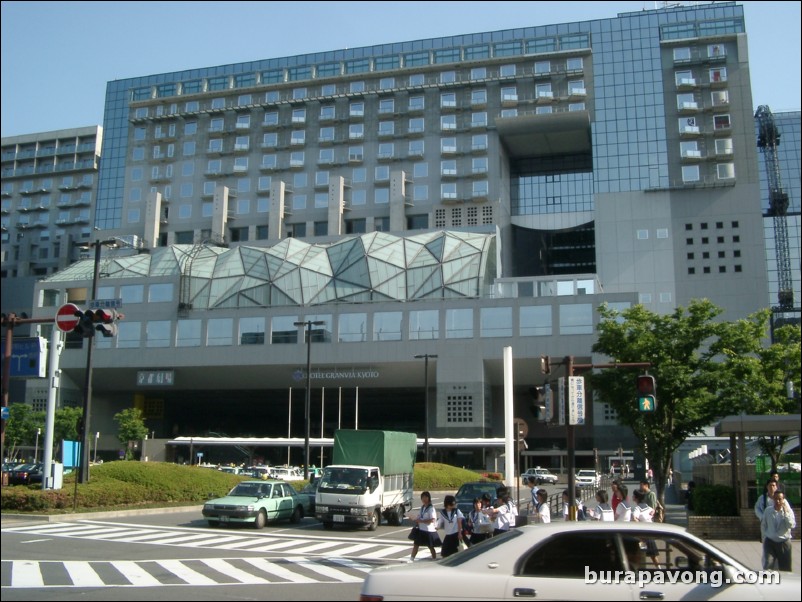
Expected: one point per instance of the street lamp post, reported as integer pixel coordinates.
(36, 449)
(425, 357)
(97, 436)
(83, 474)
(308, 402)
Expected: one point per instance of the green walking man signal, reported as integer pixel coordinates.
(647, 393)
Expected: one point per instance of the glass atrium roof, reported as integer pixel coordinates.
(372, 267)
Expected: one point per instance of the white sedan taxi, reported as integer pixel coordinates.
(582, 561)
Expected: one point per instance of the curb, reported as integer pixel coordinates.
(49, 518)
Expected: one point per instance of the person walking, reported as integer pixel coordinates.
(542, 510)
(425, 533)
(778, 520)
(479, 525)
(603, 511)
(450, 520)
(504, 512)
(623, 512)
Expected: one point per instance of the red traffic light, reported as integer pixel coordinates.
(646, 385)
(103, 316)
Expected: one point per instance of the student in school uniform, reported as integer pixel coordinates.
(450, 520)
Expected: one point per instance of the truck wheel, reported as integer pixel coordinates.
(398, 515)
(328, 525)
(260, 521)
(297, 515)
(376, 520)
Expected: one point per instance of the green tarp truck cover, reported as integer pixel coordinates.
(391, 451)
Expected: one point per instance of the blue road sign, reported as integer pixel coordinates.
(28, 357)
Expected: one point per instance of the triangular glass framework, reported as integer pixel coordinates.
(372, 267)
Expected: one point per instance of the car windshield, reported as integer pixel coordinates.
(250, 489)
(344, 480)
(472, 490)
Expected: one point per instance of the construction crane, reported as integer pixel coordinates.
(768, 139)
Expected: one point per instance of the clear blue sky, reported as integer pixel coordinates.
(58, 56)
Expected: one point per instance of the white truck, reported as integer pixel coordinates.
(370, 478)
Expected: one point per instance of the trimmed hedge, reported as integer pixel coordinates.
(123, 485)
(115, 485)
(714, 500)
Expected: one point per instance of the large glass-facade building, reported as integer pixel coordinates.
(445, 197)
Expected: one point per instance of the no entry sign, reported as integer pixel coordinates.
(66, 320)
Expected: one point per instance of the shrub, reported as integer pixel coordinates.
(714, 500)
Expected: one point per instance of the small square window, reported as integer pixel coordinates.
(734, 224)
(691, 271)
(706, 270)
(690, 256)
(705, 240)
(736, 239)
(736, 253)
(688, 241)
(720, 239)
(689, 226)
(738, 268)
(703, 225)
(722, 269)
(719, 225)
(722, 254)
(706, 255)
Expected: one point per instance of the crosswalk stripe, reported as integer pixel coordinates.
(389, 551)
(355, 548)
(135, 574)
(279, 571)
(181, 570)
(26, 574)
(271, 546)
(328, 571)
(225, 567)
(315, 547)
(173, 539)
(82, 574)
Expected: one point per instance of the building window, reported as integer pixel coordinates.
(535, 321)
(424, 325)
(576, 319)
(219, 331)
(252, 331)
(725, 171)
(459, 323)
(188, 333)
(690, 173)
(495, 322)
(387, 326)
(157, 333)
(283, 330)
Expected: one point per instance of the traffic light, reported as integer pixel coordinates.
(647, 393)
(85, 327)
(539, 401)
(104, 321)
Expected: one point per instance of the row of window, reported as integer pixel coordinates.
(414, 148)
(494, 322)
(47, 149)
(366, 65)
(46, 184)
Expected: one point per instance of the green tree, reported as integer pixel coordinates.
(65, 427)
(132, 429)
(699, 365)
(21, 427)
(756, 382)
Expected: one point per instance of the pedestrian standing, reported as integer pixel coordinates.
(503, 513)
(426, 532)
(776, 525)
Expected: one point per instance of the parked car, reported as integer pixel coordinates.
(25, 474)
(567, 561)
(587, 478)
(287, 474)
(474, 489)
(257, 502)
(542, 475)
